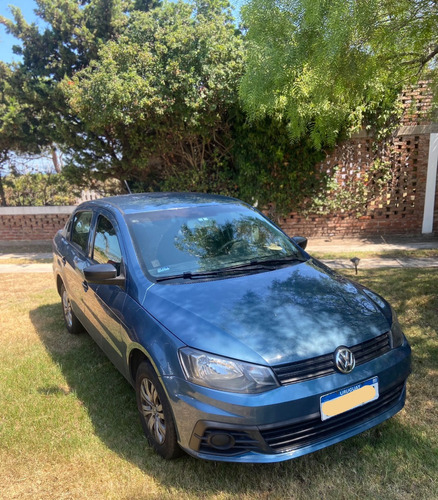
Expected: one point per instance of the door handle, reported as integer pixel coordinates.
(85, 285)
(64, 261)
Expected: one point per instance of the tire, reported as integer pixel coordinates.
(155, 413)
(72, 323)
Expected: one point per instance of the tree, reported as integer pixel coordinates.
(73, 33)
(38, 190)
(330, 66)
(149, 94)
(17, 125)
(272, 170)
(162, 92)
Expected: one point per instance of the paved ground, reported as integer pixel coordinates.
(320, 245)
(380, 244)
(380, 262)
(25, 268)
(27, 256)
(375, 245)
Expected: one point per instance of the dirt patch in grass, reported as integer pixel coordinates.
(69, 426)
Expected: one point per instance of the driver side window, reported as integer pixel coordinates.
(106, 244)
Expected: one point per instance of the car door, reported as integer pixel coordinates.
(76, 259)
(104, 303)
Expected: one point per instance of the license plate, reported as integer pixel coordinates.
(341, 401)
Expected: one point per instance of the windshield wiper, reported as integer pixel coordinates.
(265, 264)
(190, 275)
(254, 265)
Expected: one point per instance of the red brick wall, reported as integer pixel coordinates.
(42, 226)
(417, 102)
(398, 211)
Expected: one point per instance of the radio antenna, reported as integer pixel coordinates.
(127, 187)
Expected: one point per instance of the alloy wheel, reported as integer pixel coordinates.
(68, 313)
(152, 410)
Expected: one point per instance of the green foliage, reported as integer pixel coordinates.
(35, 106)
(218, 177)
(271, 170)
(17, 126)
(329, 67)
(264, 168)
(148, 92)
(161, 92)
(353, 193)
(38, 190)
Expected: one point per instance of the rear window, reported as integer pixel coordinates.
(81, 229)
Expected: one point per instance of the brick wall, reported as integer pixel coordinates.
(32, 223)
(417, 102)
(399, 209)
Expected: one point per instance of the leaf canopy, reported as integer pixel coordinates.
(330, 66)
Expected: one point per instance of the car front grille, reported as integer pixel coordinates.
(320, 366)
(304, 433)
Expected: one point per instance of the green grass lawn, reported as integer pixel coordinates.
(25, 247)
(69, 426)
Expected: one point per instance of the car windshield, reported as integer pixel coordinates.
(205, 239)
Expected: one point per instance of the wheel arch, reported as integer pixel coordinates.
(136, 357)
(59, 283)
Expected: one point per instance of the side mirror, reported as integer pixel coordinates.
(103, 274)
(301, 241)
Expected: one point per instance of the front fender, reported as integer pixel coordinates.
(148, 336)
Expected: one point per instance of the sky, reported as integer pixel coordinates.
(7, 41)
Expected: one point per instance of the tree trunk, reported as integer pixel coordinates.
(2, 193)
(55, 159)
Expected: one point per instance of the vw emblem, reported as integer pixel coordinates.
(344, 360)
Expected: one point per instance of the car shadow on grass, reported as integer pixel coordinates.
(110, 403)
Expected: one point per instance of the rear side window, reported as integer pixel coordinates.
(106, 244)
(81, 229)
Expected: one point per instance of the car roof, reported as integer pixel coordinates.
(151, 202)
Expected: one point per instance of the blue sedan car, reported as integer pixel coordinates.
(241, 346)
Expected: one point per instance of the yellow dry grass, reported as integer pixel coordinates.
(69, 429)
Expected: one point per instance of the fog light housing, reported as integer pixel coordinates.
(221, 441)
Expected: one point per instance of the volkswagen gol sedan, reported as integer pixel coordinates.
(241, 346)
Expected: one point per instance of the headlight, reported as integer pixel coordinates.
(397, 336)
(225, 374)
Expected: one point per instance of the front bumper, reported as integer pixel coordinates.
(283, 423)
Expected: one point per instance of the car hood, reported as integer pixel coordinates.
(273, 317)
